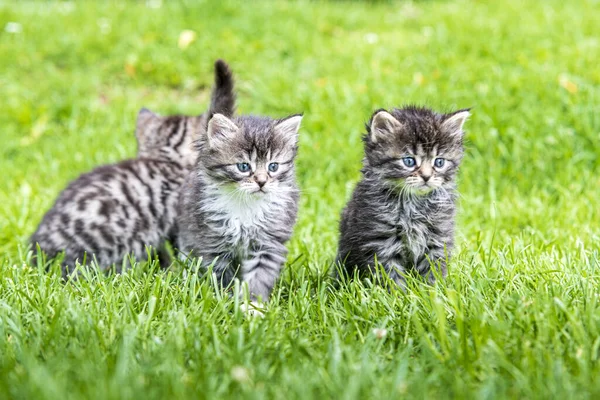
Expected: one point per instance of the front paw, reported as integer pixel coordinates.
(253, 309)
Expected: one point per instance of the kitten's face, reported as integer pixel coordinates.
(415, 149)
(251, 156)
(168, 137)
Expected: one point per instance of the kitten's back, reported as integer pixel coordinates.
(112, 211)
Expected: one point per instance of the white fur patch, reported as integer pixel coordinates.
(253, 309)
(243, 214)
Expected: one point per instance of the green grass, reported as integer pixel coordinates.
(519, 315)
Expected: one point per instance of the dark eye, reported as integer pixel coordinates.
(409, 161)
(273, 167)
(439, 162)
(243, 167)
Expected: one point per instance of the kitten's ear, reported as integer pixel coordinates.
(288, 128)
(145, 118)
(454, 122)
(383, 124)
(220, 128)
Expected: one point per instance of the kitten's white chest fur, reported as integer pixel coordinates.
(240, 218)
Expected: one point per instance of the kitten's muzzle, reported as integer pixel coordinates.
(261, 179)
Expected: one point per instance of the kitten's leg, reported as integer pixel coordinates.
(226, 273)
(67, 269)
(221, 264)
(396, 272)
(224, 269)
(261, 270)
(435, 257)
(69, 263)
(164, 257)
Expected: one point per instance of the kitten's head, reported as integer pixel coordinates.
(250, 155)
(414, 149)
(166, 138)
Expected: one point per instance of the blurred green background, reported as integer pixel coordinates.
(74, 74)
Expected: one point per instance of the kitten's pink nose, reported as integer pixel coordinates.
(260, 179)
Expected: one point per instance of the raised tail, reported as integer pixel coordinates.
(223, 96)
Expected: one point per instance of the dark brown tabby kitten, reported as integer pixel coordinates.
(401, 213)
(117, 210)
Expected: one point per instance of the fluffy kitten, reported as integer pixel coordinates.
(116, 210)
(238, 207)
(401, 213)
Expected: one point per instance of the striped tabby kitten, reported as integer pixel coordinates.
(238, 208)
(116, 210)
(402, 211)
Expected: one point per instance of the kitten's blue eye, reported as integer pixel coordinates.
(409, 161)
(439, 162)
(243, 167)
(273, 167)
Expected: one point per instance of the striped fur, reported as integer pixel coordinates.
(117, 210)
(226, 216)
(403, 216)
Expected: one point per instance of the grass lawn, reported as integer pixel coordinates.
(519, 315)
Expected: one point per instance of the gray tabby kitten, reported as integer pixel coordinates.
(116, 210)
(401, 213)
(238, 208)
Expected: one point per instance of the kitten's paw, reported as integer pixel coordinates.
(253, 309)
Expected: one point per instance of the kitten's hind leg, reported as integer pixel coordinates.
(166, 251)
(164, 256)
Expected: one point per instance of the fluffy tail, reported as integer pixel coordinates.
(223, 96)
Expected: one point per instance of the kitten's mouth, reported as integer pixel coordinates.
(415, 188)
(422, 189)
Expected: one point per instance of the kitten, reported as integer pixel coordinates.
(239, 206)
(401, 213)
(116, 210)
